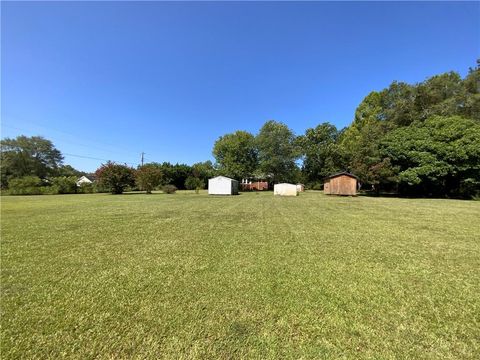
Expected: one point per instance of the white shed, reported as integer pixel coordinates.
(285, 189)
(222, 185)
(300, 187)
(83, 180)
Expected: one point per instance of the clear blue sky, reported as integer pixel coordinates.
(112, 79)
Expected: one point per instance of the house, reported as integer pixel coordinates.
(285, 189)
(83, 180)
(342, 183)
(247, 185)
(300, 187)
(222, 185)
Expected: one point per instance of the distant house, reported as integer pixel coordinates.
(83, 180)
(342, 183)
(247, 185)
(285, 189)
(222, 185)
(300, 187)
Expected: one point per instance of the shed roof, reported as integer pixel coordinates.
(342, 173)
(223, 177)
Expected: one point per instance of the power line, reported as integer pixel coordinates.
(56, 139)
(75, 155)
(94, 158)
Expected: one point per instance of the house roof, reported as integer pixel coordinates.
(342, 173)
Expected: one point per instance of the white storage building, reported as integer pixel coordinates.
(285, 189)
(222, 185)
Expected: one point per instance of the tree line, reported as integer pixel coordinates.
(412, 139)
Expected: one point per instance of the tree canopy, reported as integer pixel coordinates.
(236, 154)
(28, 156)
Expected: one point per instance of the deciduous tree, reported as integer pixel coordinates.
(236, 154)
(115, 177)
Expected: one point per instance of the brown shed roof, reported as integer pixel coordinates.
(342, 173)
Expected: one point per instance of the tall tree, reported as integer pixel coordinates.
(28, 156)
(360, 141)
(236, 154)
(203, 170)
(322, 154)
(440, 156)
(277, 151)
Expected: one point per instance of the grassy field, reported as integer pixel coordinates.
(253, 276)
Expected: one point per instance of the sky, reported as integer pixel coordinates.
(110, 80)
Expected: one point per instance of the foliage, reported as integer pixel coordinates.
(87, 188)
(25, 185)
(322, 154)
(438, 156)
(277, 151)
(64, 184)
(148, 177)
(204, 171)
(194, 183)
(169, 189)
(174, 174)
(67, 170)
(115, 177)
(236, 154)
(28, 156)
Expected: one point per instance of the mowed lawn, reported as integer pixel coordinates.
(253, 276)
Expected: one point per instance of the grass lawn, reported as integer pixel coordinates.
(252, 276)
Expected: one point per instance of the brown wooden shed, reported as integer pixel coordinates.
(342, 183)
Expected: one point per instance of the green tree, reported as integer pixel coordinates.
(28, 156)
(440, 156)
(236, 154)
(67, 170)
(322, 154)
(64, 184)
(360, 141)
(277, 151)
(115, 177)
(194, 183)
(174, 174)
(204, 170)
(25, 185)
(148, 177)
(442, 94)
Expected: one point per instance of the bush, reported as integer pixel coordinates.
(86, 188)
(26, 185)
(114, 177)
(64, 185)
(148, 177)
(169, 189)
(194, 183)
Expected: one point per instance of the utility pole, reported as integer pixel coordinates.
(142, 157)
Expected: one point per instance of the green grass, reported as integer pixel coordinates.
(189, 276)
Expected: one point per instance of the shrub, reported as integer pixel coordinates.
(64, 185)
(169, 189)
(26, 185)
(115, 177)
(86, 188)
(148, 177)
(194, 183)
